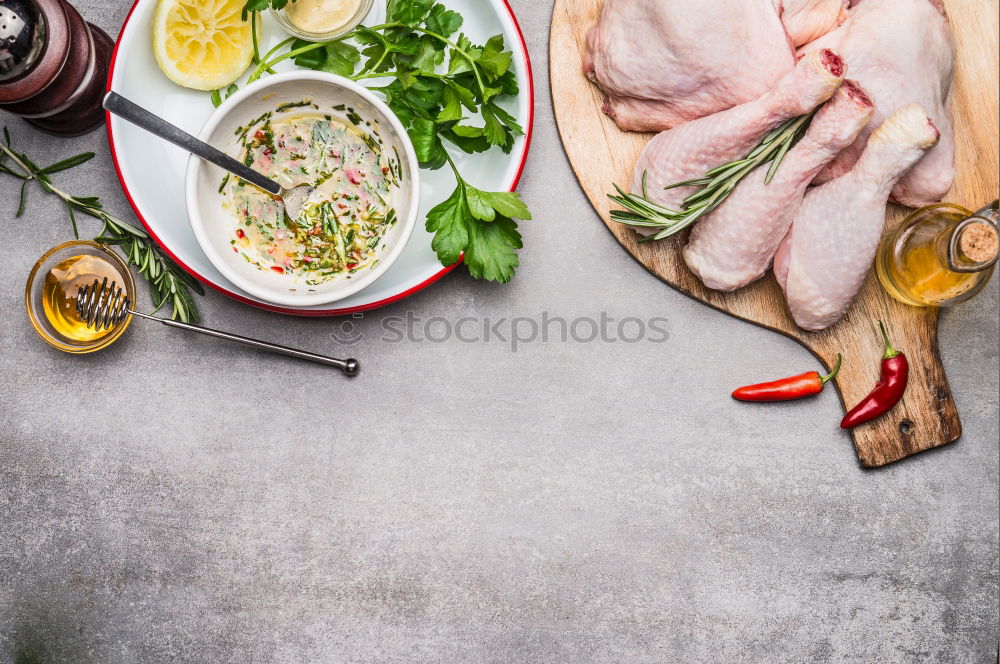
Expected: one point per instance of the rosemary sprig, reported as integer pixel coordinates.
(712, 188)
(168, 283)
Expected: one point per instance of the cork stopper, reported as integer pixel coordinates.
(979, 242)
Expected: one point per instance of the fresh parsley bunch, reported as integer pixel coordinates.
(445, 90)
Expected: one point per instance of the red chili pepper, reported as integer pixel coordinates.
(278, 268)
(795, 387)
(240, 234)
(887, 391)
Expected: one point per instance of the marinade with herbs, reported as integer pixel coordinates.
(344, 219)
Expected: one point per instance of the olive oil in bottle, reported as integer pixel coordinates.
(939, 255)
(59, 295)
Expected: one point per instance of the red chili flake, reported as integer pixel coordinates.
(240, 234)
(278, 269)
(235, 250)
(385, 170)
(341, 206)
(259, 135)
(351, 266)
(267, 152)
(354, 175)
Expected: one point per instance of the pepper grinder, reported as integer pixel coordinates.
(53, 66)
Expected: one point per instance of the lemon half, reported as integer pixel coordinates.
(202, 44)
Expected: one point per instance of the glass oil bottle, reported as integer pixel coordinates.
(940, 254)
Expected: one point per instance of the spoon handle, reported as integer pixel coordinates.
(116, 104)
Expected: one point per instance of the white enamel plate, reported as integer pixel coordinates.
(152, 171)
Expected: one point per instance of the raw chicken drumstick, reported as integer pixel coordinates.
(824, 260)
(687, 151)
(664, 62)
(734, 245)
(901, 52)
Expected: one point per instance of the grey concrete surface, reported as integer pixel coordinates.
(178, 499)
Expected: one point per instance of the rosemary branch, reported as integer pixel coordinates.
(168, 283)
(712, 188)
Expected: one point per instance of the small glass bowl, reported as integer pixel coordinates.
(363, 10)
(34, 293)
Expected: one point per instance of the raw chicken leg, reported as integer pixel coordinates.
(687, 151)
(806, 20)
(734, 245)
(664, 62)
(900, 51)
(825, 258)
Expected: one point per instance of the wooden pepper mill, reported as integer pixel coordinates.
(53, 66)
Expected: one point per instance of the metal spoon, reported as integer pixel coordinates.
(102, 306)
(292, 198)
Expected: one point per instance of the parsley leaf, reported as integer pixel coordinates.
(408, 11)
(447, 221)
(493, 129)
(508, 204)
(452, 108)
(468, 139)
(335, 57)
(428, 56)
(491, 253)
(479, 204)
(479, 224)
(427, 143)
(494, 59)
(444, 21)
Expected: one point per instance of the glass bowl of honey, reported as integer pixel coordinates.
(55, 280)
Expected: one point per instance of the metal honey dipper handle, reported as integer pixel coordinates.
(102, 306)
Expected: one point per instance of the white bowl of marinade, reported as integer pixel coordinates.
(317, 129)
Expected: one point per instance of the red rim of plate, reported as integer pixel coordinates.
(316, 312)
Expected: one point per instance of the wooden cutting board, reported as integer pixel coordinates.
(601, 154)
